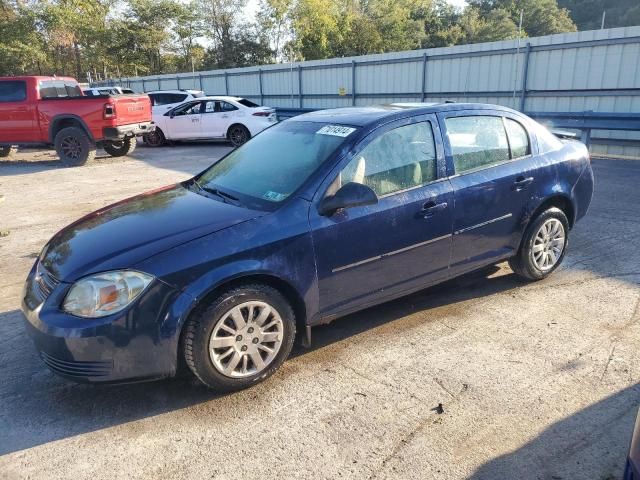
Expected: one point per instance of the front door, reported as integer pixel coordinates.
(184, 122)
(364, 254)
(17, 115)
(493, 176)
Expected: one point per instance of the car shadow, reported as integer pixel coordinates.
(595, 437)
(37, 406)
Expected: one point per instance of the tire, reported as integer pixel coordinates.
(545, 240)
(155, 138)
(238, 135)
(74, 147)
(8, 151)
(120, 148)
(216, 324)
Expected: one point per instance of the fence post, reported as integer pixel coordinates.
(226, 82)
(353, 83)
(299, 85)
(424, 77)
(159, 83)
(525, 72)
(260, 86)
(144, 89)
(178, 81)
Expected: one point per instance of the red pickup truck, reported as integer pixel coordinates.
(53, 111)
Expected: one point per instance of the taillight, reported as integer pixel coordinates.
(262, 114)
(109, 110)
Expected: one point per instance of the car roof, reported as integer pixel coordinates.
(362, 116)
(220, 97)
(188, 90)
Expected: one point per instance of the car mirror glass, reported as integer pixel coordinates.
(348, 196)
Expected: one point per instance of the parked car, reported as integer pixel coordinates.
(94, 92)
(632, 468)
(51, 111)
(211, 118)
(319, 216)
(164, 100)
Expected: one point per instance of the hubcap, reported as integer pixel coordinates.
(71, 147)
(548, 244)
(246, 339)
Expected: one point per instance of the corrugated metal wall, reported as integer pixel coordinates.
(594, 70)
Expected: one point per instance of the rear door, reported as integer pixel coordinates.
(212, 121)
(492, 172)
(17, 114)
(404, 241)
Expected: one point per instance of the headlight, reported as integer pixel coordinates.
(105, 293)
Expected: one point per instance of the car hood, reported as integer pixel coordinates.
(127, 232)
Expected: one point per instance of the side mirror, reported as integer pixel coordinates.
(349, 195)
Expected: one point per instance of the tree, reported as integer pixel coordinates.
(495, 25)
(587, 14)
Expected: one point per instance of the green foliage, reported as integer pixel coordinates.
(113, 38)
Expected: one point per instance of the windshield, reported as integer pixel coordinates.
(273, 165)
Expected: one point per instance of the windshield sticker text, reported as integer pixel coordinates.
(336, 130)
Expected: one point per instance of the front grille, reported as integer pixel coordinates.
(77, 369)
(43, 283)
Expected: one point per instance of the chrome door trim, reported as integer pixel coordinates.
(389, 254)
(473, 227)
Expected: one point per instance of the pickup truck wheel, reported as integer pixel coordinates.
(8, 152)
(120, 148)
(239, 339)
(543, 246)
(74, 147)
(238, 135)
(155, 138)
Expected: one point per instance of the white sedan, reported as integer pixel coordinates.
(211, 118)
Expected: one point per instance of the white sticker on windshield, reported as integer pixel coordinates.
(274, 196)
(336, 130)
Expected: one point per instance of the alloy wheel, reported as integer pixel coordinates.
(548, 244)
(246, 339)
(71, 147)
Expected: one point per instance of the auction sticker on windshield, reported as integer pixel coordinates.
(336, 130)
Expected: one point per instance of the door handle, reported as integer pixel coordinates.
(225, 116)
(521, 183)
(430, 208)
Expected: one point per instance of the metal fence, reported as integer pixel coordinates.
(575, 72)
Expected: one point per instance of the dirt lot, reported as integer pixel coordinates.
(537, 381)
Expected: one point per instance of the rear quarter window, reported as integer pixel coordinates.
(13, 91)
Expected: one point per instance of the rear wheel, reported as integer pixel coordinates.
(74, 147)
(155, 138)
(240, 339)
(120, 148)
(543, 246)
(8, 151)
(238, 135)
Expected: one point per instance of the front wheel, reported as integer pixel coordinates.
(8, 151)
(240, 339)
(238, 135)
(543, 246)
(120, 148)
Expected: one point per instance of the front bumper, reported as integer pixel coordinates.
(128, 346)
(123, 131)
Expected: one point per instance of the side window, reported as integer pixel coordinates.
(227, 107)
(518, 138)
(188, 109)
(401, 158)
(477, 141)
(13, 91)
(212, 107)
(176, 97)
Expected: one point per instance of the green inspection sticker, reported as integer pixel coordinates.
(274, 196)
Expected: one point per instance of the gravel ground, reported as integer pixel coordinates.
(537, 381)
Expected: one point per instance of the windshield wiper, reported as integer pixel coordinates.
(216, 191)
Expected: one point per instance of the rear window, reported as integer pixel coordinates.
(59, 89)
(13, 91)
(247, 103)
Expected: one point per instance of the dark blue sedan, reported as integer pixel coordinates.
(317, 217)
